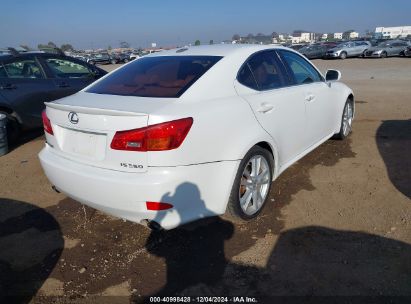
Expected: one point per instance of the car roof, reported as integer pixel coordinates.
(223, 50)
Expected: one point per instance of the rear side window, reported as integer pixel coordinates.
(23, 68)
(162, 76)
(262, 72)
(301, 69)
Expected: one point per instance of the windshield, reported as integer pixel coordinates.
(162, 76)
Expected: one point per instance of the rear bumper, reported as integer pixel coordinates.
(195, 191)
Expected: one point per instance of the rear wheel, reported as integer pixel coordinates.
(251, 185)
(346, 121)
(343, 55)
(113, 61)
(13, 127)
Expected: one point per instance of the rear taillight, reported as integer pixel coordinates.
(46, 123)
(160, 137)
(156, 206)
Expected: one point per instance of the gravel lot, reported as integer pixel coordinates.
(338, 222)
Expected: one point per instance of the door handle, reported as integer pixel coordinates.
(310, 97)
(265, 107)
(63, 85)
(8, 86)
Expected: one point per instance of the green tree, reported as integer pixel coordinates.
(25, 46)
(211, 41)
(51, 44)
(346, 34)
(124, 44)
(197, 42)
(66, 47)
(236, 37)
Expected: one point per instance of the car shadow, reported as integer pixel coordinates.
(25, 137)
(30, 245)
(199, 259)
(326, 262)
(394, 144)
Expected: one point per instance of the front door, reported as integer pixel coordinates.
(280, 109)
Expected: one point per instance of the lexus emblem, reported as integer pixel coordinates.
(73, 117)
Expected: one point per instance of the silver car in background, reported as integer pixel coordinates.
(348, 49)
(387, 49)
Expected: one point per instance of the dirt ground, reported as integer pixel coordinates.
(337, 223)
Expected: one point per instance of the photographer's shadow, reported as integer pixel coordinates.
(199, 256)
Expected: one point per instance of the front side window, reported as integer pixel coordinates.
(262, 71)
(63, 68)
(300, 68)
(162, 76)
(23, 68)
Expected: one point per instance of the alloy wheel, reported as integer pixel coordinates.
(347, 119)
(254, 184)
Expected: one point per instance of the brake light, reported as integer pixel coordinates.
(160, 137)
(46, 123)
(156, 206)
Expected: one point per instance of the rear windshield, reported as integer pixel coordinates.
(162, 76)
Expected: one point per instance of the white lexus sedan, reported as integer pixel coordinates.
(193, 132)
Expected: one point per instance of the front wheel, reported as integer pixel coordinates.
(346, 121)
(384, 55)
(251, 185)
(343, 55)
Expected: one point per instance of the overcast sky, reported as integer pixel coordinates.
(94, 24)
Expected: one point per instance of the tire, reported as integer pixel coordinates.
(384, 55)
(13, 127)
(113, 62)
(346, 120)
(125, 60)
(241, 204)
(343, 55)
(92, 62)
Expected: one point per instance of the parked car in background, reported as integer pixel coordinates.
(387, 49)
(152, 141)
(135, 55)
(27, 80)
(100, 58)
(313, 51)
(348, 49)
(298, 46)
(407, 51)
(120, 58)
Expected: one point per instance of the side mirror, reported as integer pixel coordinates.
(333, 75)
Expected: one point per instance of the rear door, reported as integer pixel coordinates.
(317, 98)
(69, 75)
(24, 85)
(264, 84)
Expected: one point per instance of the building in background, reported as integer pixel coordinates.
(298, 37)
(354, 35)
(393, 32)
(338, 35)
